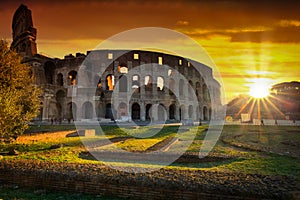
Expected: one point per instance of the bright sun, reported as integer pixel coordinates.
(259, 88)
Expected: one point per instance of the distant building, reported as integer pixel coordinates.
(61, 81)
(286, 97)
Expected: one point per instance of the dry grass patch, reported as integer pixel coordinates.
(42, 137)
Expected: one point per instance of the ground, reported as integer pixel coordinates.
(256, 150)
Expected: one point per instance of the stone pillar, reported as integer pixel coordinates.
(143, 111)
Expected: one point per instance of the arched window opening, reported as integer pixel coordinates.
(148, 83)
(136, 83)
(110, 82)
(170, 72)
(122, 69)
(60, 79)
(190, 88)
(198, 90)
(171, 86)
(72, 77)
(122, 83)
(160, 83)
(49, 68)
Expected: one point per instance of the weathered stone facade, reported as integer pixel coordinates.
(148, 85)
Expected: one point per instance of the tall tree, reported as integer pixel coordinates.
(19, 97)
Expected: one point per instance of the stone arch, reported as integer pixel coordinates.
(190, 112)
(60, 79)
(148, 112)
(122, 83)
(172, 111)
(49, 68)
(135, 111)
(72, 75)
(87, 110)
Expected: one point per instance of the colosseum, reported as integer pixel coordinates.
(83, 87)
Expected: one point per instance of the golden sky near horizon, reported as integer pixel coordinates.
(246, 40)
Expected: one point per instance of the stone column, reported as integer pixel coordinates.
(143, 111)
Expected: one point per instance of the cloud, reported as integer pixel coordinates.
(287, 23)
(182, 23)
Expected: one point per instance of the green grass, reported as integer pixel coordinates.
(268, 150)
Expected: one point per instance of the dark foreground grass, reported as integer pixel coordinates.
(14, 192)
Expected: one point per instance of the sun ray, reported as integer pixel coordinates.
(243, 107)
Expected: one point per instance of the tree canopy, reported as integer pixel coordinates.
(19, 96)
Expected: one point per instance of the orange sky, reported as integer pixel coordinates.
(245, 40)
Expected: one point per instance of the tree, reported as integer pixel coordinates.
(19, 97)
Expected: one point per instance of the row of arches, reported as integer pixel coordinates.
(162, 112)
(135, 83)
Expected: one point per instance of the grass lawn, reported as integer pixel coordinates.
(268, 150)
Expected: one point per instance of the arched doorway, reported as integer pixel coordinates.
(60, 79)
(161, 112)
(172, 109)
(60, 99)
(190, 111)
(72, 110)
(122, 111)
(109, 111)
(181, 112)
(87, 110)
(135, 111)
(148, 112)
